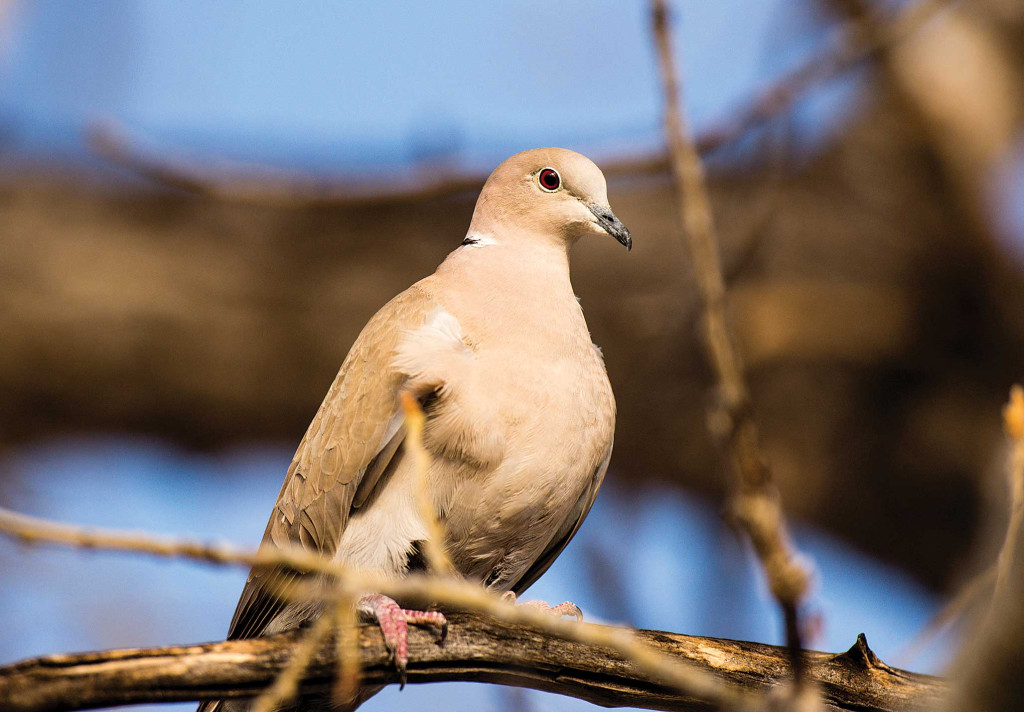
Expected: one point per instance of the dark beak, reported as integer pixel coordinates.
(611, 224)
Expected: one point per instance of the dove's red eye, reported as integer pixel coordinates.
(549, 179)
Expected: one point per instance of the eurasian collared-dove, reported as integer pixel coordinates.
(520, 414)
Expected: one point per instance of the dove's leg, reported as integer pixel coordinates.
(394, 625)
(568, 608)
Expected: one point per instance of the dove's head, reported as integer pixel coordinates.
(549, 194)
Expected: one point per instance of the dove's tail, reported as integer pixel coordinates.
(311, 703)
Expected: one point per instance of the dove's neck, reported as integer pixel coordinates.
(517, 257)
(511, 281)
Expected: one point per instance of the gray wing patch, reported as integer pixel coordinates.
(379, 464)
(266, 590)
(263, 598)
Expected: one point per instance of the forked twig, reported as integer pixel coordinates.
(755, 500)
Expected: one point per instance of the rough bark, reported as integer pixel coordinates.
(477, 649)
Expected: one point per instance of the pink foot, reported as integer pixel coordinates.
(394, 625)
(568, 608)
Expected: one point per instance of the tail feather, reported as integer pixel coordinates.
(310, 703)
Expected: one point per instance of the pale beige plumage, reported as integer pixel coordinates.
(520, 413)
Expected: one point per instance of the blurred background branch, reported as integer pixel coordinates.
(859, 295)
(164, 341)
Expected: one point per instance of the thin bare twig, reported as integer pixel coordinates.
(433, 548)
(997, 575)
(34, 530)
(286, 685)
(949, 614)
(988, 667)
(446, 591)
(346, 681)
(755, 500)
(1013, 425)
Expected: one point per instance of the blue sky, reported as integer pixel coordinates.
(342, 84)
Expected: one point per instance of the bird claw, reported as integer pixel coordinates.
(394, 622)
(566, 608)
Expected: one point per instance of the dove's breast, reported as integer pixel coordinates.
(520, 419)
(554, 405)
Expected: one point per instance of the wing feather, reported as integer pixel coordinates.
(354, 430)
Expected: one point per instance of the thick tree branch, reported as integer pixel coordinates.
(477, 649)
(452, 593)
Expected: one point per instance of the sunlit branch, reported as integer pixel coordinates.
(478, 649)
